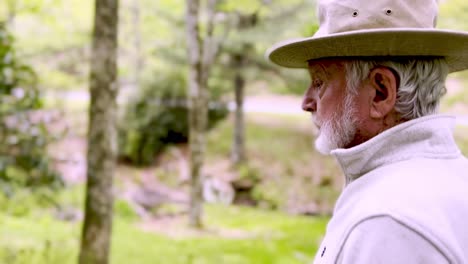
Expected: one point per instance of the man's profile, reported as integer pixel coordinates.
(378, 71)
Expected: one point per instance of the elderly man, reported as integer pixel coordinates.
(378, 71)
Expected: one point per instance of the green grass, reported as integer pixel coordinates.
(37, 240)
(232, 235)
(266, 237)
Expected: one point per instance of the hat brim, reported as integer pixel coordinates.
(453, 45)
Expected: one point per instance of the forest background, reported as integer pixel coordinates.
(267, 194)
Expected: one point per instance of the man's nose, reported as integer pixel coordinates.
(308, 103)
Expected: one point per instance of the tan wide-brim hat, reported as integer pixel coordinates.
(376, 28)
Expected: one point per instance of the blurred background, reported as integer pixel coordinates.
(267, 194)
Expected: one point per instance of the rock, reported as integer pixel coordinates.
(218, 191)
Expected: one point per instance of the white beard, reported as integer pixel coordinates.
(338, 131)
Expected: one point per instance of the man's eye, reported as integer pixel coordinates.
(317, 84)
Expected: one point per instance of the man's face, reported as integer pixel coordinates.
(333, 109)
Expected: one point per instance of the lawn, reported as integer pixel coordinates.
(232, 235)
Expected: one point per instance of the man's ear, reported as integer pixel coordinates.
(384, 83)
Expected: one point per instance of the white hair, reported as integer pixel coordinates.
(421, 82)
(339, 130)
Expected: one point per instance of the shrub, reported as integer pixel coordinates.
(23, 133)
(158, 117)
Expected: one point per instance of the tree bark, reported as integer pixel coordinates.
(239, 62)
(201, 54)
(238, 147)
(197, 119)
(101, 156)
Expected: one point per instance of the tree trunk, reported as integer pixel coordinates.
(197, 119)
(239, 61)
(238, 147)
(96, 233)
(201, 55)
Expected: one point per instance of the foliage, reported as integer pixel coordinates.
(25, 202)
(53, 36)
(23, 133)
(237, 235)
(259, 24)
(157, 117)
(453, 14)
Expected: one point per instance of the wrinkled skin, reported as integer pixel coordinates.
(345, 120)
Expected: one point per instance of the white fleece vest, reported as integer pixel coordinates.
(413, 173)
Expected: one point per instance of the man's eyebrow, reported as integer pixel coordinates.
(318, 71)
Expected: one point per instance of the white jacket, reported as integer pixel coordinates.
(405, 199)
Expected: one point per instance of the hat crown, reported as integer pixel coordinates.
(337, 16)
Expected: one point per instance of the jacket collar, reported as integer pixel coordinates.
(425, 137)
